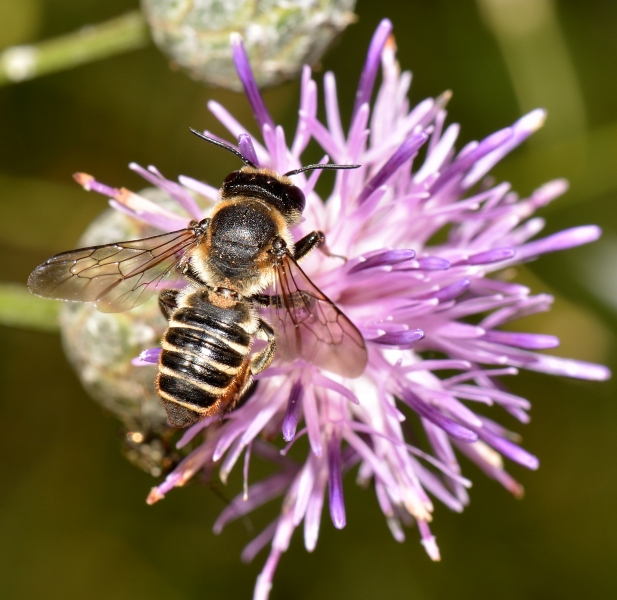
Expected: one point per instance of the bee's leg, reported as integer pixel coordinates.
(265, 300)
(167, 302)
(261, 360)
(258, 362)
(315, 239)
(245, 393)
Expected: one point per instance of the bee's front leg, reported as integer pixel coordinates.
(315, 239)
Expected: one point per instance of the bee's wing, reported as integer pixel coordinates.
(116, 277)
(309, 326)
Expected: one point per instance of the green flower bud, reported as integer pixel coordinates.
(100, 347)
(279, 35)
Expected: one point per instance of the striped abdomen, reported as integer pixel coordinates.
(204, 364)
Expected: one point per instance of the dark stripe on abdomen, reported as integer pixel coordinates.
(222, 323)
(185, 391)
(196, 369)
(204, 345)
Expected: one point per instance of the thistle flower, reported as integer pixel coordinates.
(425, 237)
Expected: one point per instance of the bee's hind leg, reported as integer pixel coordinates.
(245, 393)
(257, 363)
(168, 302)
(262, 359)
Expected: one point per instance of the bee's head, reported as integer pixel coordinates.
(278, 191)
(266, 185)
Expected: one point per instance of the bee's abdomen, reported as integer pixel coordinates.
(202, 363)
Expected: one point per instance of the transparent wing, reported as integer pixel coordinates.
(309, 326)
(116, 277)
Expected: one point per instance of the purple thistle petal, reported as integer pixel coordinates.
(312, 518)
(177, 192)
(324, 138)
(570, 238)
(490, 462)
(207, 191)
(452, 291)
(245, 473)
(358, 133)
(508, 449)
(264, 415)
(435, 485)
(427, 411)
(290, 422)
(387, 258)
(400, 339)
(305, 486)
(485, 373)
(323, 381)
(371, 65)
(192, 431)
(380, 469)
(578, 369)
(529, 306)
(156, 219)
(245, 73)
(335, 483)
(149, 356)
(259, 493)
(529, 341)
(433, 263)
(245, 145)
(311, 417)
(384, 501)
(333, 115)
(437, 364)
(232, 456)
(407, 150)
(92, 185)
(521, 130)
(499, 430)
(235, 128)
(263, 586)
(307, 112)
(438, 154)
(467, 159)
(428, 541)
(249, 421)
(256, 545)
(489, 256)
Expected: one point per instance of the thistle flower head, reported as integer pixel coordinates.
(426, 238)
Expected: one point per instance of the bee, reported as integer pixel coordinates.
(228, 260)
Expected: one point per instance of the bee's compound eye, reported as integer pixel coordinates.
(295, 198)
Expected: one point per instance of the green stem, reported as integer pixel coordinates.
(19, 308)
(89, 43)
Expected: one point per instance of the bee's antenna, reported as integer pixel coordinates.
(243, 158)
(326, 166)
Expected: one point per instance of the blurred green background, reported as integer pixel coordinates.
(73, 518)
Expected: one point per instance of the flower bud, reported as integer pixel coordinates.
(279, 36)
(100, 347)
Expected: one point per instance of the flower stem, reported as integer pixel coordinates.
(19, 308)
(92, 42)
